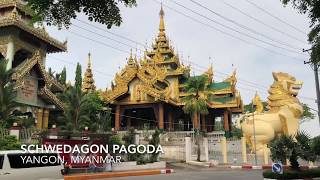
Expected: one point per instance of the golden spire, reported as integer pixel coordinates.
(161, 25)
(209, 73)
(131, 60)
(89, 60)
(88, 81)
(258, 103)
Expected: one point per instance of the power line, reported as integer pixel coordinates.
(74, 64)
(243, 26)
(275, 17)
(115, 34)
(229, 34)
(255, 84)
(99, 42)
(128, 45)
(235, 30)
(263, 23)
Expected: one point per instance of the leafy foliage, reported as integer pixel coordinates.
(78, 78)
(9, 143)
(293, 174)
(128, 139)
(155, 141)
(60, 12)
(196, 101)
(7, 96)
(316, 145)
(75, 113)
(292, 148)
(249, 108)
(63, 76)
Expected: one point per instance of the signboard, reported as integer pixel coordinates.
(28, 92)
(277, 168)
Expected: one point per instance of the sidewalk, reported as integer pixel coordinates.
(117, 174)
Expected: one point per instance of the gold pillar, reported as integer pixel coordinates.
(224, 149)
(39, 118)
(45, 119)
(203, 122)
(266, 154)
(170, 119)
(226, 120)
(117, 118)
(161, 116)
(244, 150)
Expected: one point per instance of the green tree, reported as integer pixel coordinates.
(307, 113)
(60, 12)
(7, 96)
(9, 143)
(78, 78)
(292, 148)
(312, 9)
(63, 76)
(155, 141)
(249, 108)
(316, 145)
(75, 113)
(195, 103)
(93, 108)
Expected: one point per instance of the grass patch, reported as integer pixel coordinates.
(293, 174)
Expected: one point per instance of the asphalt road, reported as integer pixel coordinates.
(185, 172)
(203, 175)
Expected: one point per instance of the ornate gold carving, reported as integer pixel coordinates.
(282, 117)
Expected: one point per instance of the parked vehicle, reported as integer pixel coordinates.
(31, 165)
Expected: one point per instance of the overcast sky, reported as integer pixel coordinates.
(202, 42)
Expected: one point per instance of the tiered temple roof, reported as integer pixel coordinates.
(88, 81)
(159, 76)
(34, 42)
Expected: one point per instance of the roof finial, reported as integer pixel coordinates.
(161, 25)
(89, 60)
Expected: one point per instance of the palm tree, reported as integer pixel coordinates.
(75, 114)
(7, 95)
(195, 103)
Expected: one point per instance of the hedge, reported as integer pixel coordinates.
(293, 174)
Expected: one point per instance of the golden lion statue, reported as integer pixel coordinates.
(282, 117)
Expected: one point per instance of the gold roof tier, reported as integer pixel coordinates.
(160, 77)
(88, 81)
(16, 14)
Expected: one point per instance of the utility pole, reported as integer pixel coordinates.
(315, 67)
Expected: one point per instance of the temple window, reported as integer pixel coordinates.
(20, 57)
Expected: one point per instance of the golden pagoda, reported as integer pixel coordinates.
(88, 81)
(149, 92)
(25, 46)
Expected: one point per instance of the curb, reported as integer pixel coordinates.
(264, 167)
(118, 174)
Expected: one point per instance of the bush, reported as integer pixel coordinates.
(316, 145)
(292, 148)
(9, 143)
(155, 141)
(293, 174)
